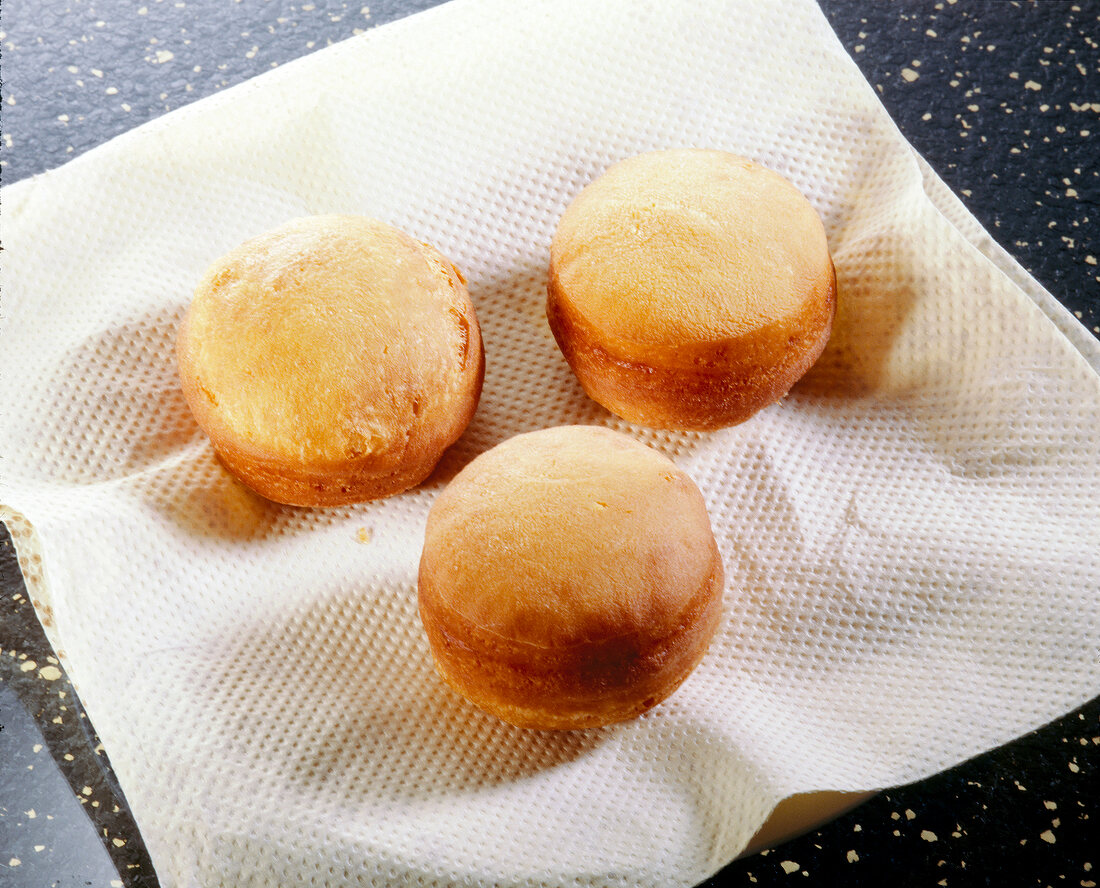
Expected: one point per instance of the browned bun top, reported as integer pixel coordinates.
(687, 248)
(568, 536)
(332, 345)
(688, 289)
(569, 579)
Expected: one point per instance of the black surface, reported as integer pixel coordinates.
(1024, 814)
(45, 832)
(63, 816)
(1003, 99)
(1006, 108)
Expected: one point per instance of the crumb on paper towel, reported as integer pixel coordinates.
(364, 534)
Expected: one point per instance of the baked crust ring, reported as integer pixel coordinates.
(723, 388)
(571, 687)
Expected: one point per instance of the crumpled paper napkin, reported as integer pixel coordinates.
(910, 538)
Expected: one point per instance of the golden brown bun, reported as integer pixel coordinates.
(569, 579)
(331, 360)
(689, 288)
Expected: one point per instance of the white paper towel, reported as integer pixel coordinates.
(912, 538)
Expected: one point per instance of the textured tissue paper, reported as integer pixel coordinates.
(910, 538)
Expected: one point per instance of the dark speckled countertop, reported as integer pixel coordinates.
(1002, 98)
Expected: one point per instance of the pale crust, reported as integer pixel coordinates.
(569, 578)
(331, 360)
(688, 289)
